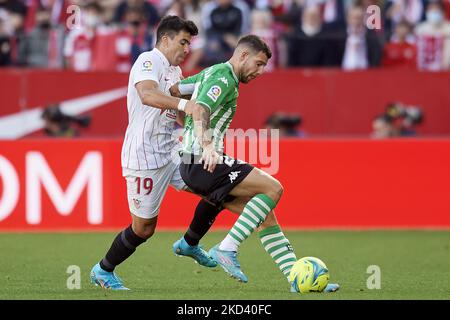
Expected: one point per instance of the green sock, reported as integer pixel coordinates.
(279, 248)
(255, 212)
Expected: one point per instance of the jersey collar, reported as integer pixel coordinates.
(163, 57)
(232, 71)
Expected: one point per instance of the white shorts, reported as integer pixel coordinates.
(146, 188)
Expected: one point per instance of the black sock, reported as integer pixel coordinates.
(204, 216)
(122, 247)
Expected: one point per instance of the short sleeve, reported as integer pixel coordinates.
(213, 92)
(187, 85)
(147, 67)
(190, 80)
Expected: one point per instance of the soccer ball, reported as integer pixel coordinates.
(309, 274)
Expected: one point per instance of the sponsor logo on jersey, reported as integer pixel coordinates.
(147, 65)
(214, 93)
(233, 175)
(171, 114)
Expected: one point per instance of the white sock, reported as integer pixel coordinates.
(229, 244)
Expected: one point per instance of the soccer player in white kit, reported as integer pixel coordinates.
(147, 162)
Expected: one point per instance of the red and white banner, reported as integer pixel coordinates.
(77, 185)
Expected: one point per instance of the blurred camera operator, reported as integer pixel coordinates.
(399, 120)
(286, 124)
(58, 124)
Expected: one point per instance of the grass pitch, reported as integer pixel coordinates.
(413, 264)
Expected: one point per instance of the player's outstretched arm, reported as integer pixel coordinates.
(186, 87)
(150, 95)
(183, 91)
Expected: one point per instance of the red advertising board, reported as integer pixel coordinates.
(63, 185)
(330, 101)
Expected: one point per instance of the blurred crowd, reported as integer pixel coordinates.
(95, 35)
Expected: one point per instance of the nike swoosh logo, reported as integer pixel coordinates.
(17, 125)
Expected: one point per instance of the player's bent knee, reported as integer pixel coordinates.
(144, 230)
(276, 191)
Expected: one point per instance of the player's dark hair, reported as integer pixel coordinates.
(256, 44)
(172, 25)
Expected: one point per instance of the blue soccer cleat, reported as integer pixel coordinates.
(228, 261)
(105, 279)
(182, 248)
(331, 287)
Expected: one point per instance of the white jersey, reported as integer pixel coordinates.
(149, 139)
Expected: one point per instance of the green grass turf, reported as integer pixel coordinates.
(414, 265)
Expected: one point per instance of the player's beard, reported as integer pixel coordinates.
(248, 78)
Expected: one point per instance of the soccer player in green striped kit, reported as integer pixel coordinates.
(222, 180)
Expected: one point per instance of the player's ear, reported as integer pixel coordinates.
(244, 55)
(165, 40)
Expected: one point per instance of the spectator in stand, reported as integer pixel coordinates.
(191, 10)
(78, 47)
(287, 124)
(262, 26)
(109, 8)
(411, 11)
(14, 17)
(446, 4)
(401, 51)
(306, 46)
(211, 5)
(43, 46)
(140, 36)
(433, 39)
(361, 47)
(333, 13)
(222, 36)
(287, 14)
(16, 12)
(5, 40)
(147, 8)
(56, 8)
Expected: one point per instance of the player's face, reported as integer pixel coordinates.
(252, 66)
(178, 47)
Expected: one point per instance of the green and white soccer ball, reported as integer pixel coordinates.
(309, 274)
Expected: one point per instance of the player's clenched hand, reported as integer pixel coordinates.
(175, 91)
(189, 108)
(210, 158)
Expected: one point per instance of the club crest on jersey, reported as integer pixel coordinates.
(137, 203)
(147, 65)
(214, 93)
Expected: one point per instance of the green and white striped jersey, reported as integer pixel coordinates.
(216, 88)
